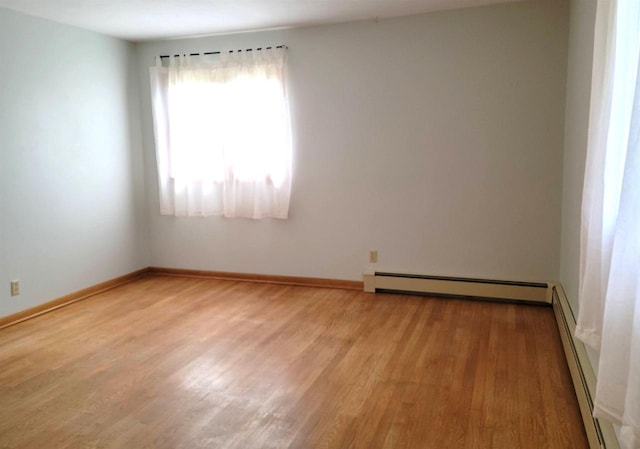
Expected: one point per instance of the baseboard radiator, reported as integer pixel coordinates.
(600, 433)
(532, 292)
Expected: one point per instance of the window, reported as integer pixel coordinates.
(223, 141)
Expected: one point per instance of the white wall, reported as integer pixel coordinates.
(72, 207)
(435, 139)
(581, 29)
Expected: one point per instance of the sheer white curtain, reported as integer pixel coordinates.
(609, 315)
(222, 129)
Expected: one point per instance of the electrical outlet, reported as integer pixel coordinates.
(15, 288)
(373, 256)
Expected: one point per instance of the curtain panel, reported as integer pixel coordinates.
(223, 138)
(609, 291)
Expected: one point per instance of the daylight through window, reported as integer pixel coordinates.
(222, 130)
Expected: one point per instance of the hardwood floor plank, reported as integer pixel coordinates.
(172, 362)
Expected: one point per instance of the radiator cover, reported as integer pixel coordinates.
(532, 292)
(599, 433)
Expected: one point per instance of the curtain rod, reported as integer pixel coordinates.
(219, 52)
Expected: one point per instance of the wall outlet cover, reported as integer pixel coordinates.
(15, 288)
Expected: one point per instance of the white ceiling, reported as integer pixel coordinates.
(138, 20)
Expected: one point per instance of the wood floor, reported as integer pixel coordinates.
(167, 362)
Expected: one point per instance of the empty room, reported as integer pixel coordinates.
(319, 224)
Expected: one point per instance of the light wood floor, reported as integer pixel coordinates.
(194, 363)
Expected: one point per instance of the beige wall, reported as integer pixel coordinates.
(435, 139)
